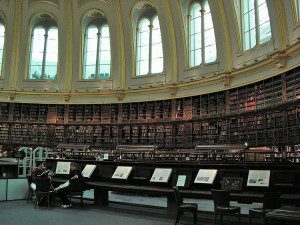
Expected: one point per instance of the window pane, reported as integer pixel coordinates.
(104, 54)
(157, 65)
(263, 13)
(195, 33)
(157, 51)
(192, 58)
(210, 53)
(89, 72)
(91, 39)
(90, 53)
(144, 53)
(105, 31)
(252, 19)
(246, 40)
(143, 67)
(35, 72)
(197, 41)
(252, 38)
(2, 34)
(50, 72)
(198, 57)
(104, 72)
(265, 32)
(90, 58)
(51, 54)
(248, 12)
(105, 44)
(297, 6)
(156, 37)
(144, 25)
(36, 56)
(104, 57)
(264, 22)
(209, 37)
(144, 38)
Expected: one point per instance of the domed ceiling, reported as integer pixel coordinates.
(134, 68)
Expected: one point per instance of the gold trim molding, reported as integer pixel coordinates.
(51, 2)
(82, 2)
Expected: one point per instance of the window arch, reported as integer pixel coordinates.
(97, 53)
(2, 39)
(149, 56)
(202, 42)
(256, 28)
(44, 51)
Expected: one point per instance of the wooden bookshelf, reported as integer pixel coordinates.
(265, 113)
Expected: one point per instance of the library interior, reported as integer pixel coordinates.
(149, 112)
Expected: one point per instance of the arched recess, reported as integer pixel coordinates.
(204, 71)
(40, 12)
(138, 11)
(85, 12)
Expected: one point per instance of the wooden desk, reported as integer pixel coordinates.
(291, 215)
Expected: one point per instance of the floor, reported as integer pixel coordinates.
(141, 210)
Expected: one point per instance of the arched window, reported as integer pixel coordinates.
(44, 51)
(97, 55)
(256, 28)
(202, 42)
(297, 7)
(2, 35)
(149, 57)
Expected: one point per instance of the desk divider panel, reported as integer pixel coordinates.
(258, 178)
(63, 167)
(206, 176)
(122, 172)
(161, 175)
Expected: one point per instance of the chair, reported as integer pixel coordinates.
(221, 199)
(77, 186)
(31, 192)
(184, 207)
(43, 189)
(271, 200)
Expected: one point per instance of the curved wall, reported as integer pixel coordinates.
(232, 69)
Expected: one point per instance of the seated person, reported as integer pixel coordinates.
(38, 170)
(63, 190)
(48, 172)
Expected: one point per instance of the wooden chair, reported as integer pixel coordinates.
(184, 207)
(77, 187)
(221, 199)
(271, 201)
(43, 190)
